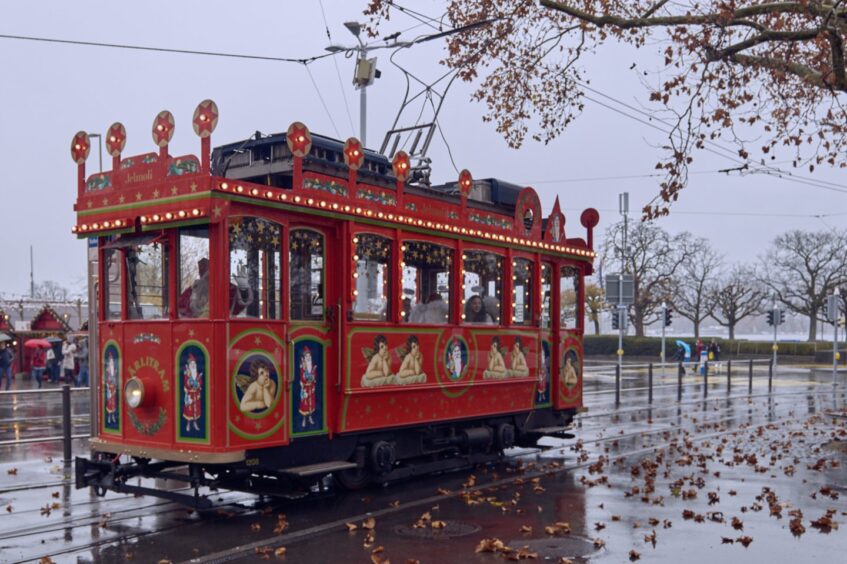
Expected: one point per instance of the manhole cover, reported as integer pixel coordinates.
(557, 547)
(451, 530)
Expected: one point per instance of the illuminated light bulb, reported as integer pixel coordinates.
(420, 222)
(239, 189)
(358, 210)
(155, 217)
(310, 201)
(202, 118)
(334, 206)
(195, 212)
(323, 204)
(301, 138)
(118, 223)
(74, 229)
(224, 186)
(464, 231)
(356, 152)
(112, 138)
(169, 215)
(402, 247)
(355, 292)
(369, 213)
(297, 199)
(391, 216)
(95, 226)
(380, 215)
(143, 219)
(355, 239)
(355, 257)
(106, 225)
(77, 146)
(254, 192)
(463, 316)
(403, 264)
(429, 224)
(347, 208)
(182, 213)
(269, 194)
(84, 227)
(355, 275)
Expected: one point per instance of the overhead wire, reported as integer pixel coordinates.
(337, 70)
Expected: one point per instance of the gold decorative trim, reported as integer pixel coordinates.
(177, 455)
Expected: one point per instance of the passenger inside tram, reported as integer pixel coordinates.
(475, 311)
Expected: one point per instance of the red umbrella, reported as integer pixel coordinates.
(37, 344)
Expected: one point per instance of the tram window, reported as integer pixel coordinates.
(373, 274)
(147, 280)
(306, 275)
(546, 295)
(482, 285)
(194, 272)
(426, 283)
(254, 268)
(112, 287)
(569, 289)
(522, 282)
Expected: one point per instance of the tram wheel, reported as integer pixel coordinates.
(353, 479)
(383, 457)
(505, 436)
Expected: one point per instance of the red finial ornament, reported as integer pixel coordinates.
(205, 118)
(401, 165)
(354, 155)
(116, 139)
(465, 182)
(80, 147)
(163, 128)
(299, 139)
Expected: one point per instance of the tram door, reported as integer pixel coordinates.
(315, 315)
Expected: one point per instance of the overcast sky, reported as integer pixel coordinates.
(49, 91)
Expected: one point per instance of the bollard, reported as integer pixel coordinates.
(770, 376)
(680, 373)
(750, 379)
(706, 378)
(617, 385)
(728, 376)
(66, 421)
(650, 383)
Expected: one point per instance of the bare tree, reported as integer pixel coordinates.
(691, 284)
(801, 268)
(595, 302)
(51, 291)
(764, 75)
(736, 296)
(653, 257)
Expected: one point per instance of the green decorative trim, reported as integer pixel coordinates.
(139, 205)
(148, 429)
(175, 224)
(378, 197)
(265, 332)
(207, 393)
(464, 379)
(328, 186)
(260, 436)
(490, 220)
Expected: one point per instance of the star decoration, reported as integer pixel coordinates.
(191, 332)
(105, 201)
(163, 128)
(258, 341)
(354, 155)
(122, 199)
(299, 139)
(116, 139)
(137, 196)
(80, 147)
(258, 426)
(156, 193)
(174, 190)
(217, 211)
(193, 186)
(205, 118)
(88, 204)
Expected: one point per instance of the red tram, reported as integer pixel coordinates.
(291, 306)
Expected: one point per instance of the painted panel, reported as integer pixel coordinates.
(192, 394)
(111, 387)
(308, 386)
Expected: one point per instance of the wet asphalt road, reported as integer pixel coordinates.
(735, 477)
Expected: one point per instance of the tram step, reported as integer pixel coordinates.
(320, 468)
(557, 431)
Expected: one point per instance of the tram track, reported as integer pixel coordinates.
(713, 417)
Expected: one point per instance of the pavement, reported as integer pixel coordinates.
(731, 476)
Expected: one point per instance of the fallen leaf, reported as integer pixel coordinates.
(280, 552)
(633, 555)
(526, 529)
(12, 471)
(796, 526)
(745, 541)
(55, 494)
(599, 543)
(369, 523)
(256, 527)
(737, 524)
(9, 508)
(351, 527)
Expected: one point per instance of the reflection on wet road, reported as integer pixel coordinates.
(734, 477)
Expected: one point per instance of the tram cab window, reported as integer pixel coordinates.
(254, 268)
(569, 291)
(546, 296)
(522, 286)
(373, 277)
(193, 272)
(112, 287)
(482, 272)
(147, 279)
(306, 275)
(426, 283)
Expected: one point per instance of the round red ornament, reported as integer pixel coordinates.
(80, 147)
(116, 139)
(163, 128)
(401, 165)
(299, 139)
(205, 118)
(354, 155)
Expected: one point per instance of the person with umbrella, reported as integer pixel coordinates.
(39, 359)
(683, 352)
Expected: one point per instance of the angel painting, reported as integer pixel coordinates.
(259, 388)
(570, 369)
(378, 372)
(519, 367)
(411, 370)
(496, 365)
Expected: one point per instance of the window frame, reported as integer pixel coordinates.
(451, 291)
(503, 254)
(228, 264)
(291, 228)
(392, 264)
(579, 306)
(532, 292)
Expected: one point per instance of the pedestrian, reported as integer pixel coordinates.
(82, 361)
(715, 354)
(699, 347)
(6, 359)
(52, 365)
(39, 362)
(68, 360)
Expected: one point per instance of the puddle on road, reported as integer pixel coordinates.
(571, 546)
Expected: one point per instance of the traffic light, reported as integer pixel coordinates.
(770, 317)
(668, 317)
(616, 324)
(781, 316)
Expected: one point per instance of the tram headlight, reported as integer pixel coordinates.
(134, 392)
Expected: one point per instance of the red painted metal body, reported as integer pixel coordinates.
(195, 371)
